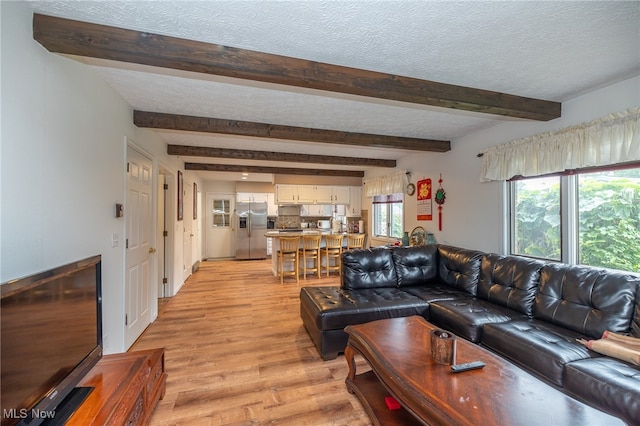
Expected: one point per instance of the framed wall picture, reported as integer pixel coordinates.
(195, 201)
(180, 195)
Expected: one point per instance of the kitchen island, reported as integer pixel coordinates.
(276, 234)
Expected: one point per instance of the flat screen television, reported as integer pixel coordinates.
(51, 336)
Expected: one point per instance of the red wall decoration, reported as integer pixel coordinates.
(425, 201)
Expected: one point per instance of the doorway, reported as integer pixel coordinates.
(164, 232)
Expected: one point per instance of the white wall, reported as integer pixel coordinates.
(474, 212)
(63, 157)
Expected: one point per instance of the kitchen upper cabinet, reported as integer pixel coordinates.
(323, 194)
(287, 194)
(272, 206)
(316, 210)
(355, 206)
(340, 195)
(312, 194)
(307, 194)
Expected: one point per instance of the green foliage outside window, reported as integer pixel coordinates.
(608, 220)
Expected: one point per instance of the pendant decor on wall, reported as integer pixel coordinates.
(440, 198)
(425, 205)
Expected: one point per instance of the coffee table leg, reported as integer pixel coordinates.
(349, 357)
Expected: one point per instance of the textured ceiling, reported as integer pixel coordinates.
(548, 50)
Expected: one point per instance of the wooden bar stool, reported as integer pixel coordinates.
(310, 251)
(288, 253)
(355, 241)
(332, 251)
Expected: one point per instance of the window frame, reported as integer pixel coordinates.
(389, 213)
(569, 211)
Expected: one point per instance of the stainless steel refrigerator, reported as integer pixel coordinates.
(251, 224)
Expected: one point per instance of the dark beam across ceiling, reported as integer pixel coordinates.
(99, 41)
(240, 154)
(273, 170)
(156, 120)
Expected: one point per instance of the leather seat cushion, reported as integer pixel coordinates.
(609, 384)
(433, 292)
(334, 308)
(466, 317)
(538, 346)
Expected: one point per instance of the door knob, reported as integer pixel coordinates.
(152, 250)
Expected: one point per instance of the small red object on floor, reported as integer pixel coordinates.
(392, 403)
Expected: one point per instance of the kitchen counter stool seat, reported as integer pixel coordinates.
(288, 253)
(355, 241)
(310, 252)
(332, 253)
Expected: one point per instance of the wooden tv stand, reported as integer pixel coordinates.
(127, 387)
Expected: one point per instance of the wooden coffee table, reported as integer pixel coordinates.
(398, 351)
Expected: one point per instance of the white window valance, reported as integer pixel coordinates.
(385, 185)
(609, 140)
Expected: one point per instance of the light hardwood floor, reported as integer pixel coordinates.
(237, 353)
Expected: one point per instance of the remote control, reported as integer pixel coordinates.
(467, 366)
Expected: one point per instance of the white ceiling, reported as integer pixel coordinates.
(549, 50)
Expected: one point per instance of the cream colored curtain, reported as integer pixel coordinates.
(385, 185)
(609, 140)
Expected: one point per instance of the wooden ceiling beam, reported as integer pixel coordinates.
(157, 120)
(99, 41)
(240, 154)
(273, 170)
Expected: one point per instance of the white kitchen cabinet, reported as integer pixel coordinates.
(286, 194)
(312, 194)
(355, 206)
(252, 197)
(340, 195)
(323, 194)
(316, 210)
(272, 206)
(307, 194)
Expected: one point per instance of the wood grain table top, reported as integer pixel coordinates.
(398, 351)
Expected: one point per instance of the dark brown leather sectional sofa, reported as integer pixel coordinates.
(529, 311)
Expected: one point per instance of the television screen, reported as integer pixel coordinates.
(51, 337)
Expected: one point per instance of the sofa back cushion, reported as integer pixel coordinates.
(510, 281)
(587, 300)
(459, 268)
(368, 268)
(415, 265)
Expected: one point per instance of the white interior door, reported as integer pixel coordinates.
(139, 225)
(187, 223)
(219, 235)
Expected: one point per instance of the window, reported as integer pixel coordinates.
(536, 218)
(221, 213)
(590, 218)
(387, 215)
(609, 219)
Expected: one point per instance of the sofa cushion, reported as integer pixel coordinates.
(608, 384)
(586, 300)
(459, 268)
(335, 308)
(368, 268)
(510, 281)
(466, 317)
(537, 346)
(434, 292)
(415, 265)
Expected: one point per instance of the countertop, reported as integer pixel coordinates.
(276, 233)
